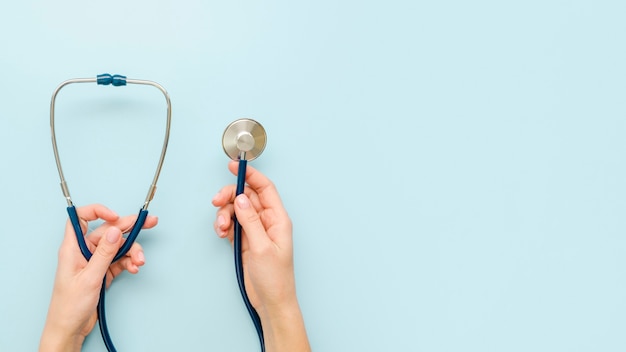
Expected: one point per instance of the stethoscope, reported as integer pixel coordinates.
(115, 80)
(244, 140)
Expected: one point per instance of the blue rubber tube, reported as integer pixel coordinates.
(80, 237)
(241, 182)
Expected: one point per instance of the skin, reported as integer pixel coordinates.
(267, 253)
(267, 259)
(72, 311)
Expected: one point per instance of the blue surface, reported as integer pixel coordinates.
(454, 170)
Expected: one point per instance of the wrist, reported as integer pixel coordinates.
(283, 328)
(279, 312)
(55, 339)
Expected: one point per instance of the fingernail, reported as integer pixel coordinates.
(141, 257)
(113, 235)
(220, 221)
(215, 198)
(243, 201)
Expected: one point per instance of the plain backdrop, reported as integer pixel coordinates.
(454, 169)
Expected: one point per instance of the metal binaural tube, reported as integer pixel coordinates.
(64, 188)
(157, 173)
(152, 188)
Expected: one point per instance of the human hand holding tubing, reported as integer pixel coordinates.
(72, 311)
(267, 251)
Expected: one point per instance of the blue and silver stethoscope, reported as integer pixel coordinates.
(115, 80)
(244, 140)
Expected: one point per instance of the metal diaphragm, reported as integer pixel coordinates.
(244, 139)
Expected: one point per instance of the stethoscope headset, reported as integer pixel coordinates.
(243, 140)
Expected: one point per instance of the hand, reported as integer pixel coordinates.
(72, 312)
(267, 254)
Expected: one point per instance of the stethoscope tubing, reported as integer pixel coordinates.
(102, 320)
(130, 239)
(256, 320)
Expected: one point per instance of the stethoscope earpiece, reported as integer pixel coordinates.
(244, 139)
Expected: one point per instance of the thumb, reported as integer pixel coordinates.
(250, 222)
(105, 252)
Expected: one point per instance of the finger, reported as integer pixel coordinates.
(89, 213)
(222, 197)
(136, 255)
(124, 223)
(151, 221)
(69, 246)
(260, 184)
(96, 211)
(101, 259)
(224, 225)
(230, 234)
(123, 264)
(251, 223)
(223, 220)
(227, 195)
(130, 262)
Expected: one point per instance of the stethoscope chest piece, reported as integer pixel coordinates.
(244, 139)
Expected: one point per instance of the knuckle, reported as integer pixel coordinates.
(262, 251)
(252, 217)
(105, 252)
(93, 282)
(288, 224)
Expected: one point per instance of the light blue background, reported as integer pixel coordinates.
(454, 169)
